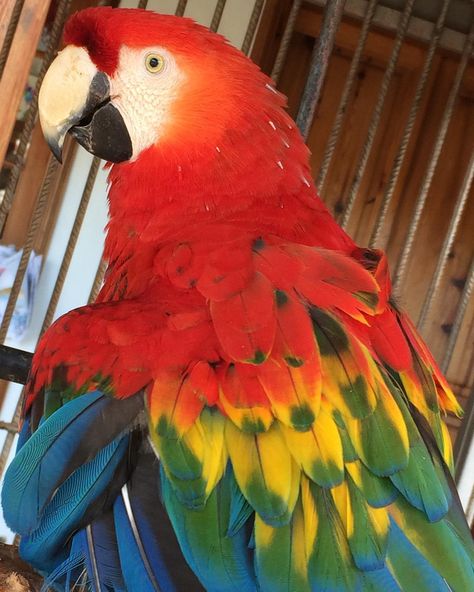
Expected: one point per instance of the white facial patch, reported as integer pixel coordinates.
(143, 98)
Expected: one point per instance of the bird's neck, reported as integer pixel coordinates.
(258, 184)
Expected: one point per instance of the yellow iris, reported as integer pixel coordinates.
(154, 63)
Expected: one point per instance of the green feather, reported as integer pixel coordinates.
(441, 544)
(280, 558)
(330, 565)
(222, 563)
(368, 546)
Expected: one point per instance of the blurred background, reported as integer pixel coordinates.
(383, 91)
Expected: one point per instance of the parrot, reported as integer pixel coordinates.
(245, 407)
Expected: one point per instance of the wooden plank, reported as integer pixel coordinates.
(15, 75)
(6, 11)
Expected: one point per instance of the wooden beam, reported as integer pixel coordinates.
(15, 74)
(6, 11)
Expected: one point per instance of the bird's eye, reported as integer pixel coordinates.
(154, 63)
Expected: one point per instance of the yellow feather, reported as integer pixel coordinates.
(342, 500)
(321, 445)
(447, 447)
(264, 469)
(249, 419)
(310, 515)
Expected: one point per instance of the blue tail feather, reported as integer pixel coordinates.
(140, 568)
(65, 513)
(93, 551)
(64, 441)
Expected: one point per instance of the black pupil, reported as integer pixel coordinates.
(154, 62)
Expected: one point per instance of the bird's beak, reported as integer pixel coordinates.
(75, 98)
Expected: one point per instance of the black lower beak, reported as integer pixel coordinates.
(104, 134)
(101, 129)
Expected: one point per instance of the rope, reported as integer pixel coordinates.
(426, 183)
(7, 42)
(216, 19)
(448, 243)
(98, 280)
(71, 245)
(402, 149)
(181, 7)
(252, 27)
(342, 109)
(35, 225)
(377, 114)
(319, 63)
(285, 40)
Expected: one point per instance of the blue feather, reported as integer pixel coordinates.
(35, 471)
(145, 535)
(24, 435)
(141, 569)
(94, 551)
(407, 562)
(65, 513)
(63, 442)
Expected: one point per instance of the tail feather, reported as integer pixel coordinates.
(63, 442)
(222, 562)
(67, 511)
(93, 558)
(150, 555)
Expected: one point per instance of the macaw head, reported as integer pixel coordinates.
(130, 80)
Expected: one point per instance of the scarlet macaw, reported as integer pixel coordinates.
(241, 337)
